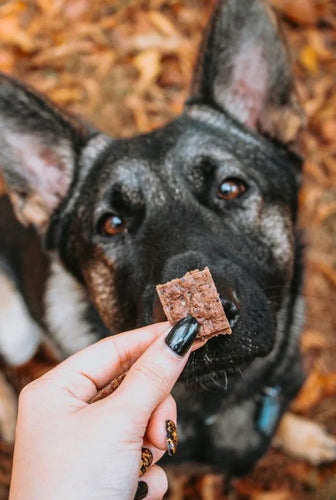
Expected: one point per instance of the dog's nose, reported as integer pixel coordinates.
(231, 311)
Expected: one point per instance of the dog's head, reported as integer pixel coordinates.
(216, 187)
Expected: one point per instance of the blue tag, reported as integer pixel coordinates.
(269, 410)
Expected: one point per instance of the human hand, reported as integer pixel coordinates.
(67, 448)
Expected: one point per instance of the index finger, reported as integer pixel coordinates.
(154, 374)
(96, 365)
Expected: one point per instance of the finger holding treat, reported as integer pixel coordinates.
(70, 446)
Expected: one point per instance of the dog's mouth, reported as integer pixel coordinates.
(217, 367)
(230, 360)
(226, 359)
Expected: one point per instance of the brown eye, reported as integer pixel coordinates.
(231, 188)
(111, 225)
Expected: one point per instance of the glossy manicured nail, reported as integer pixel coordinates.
(141, 491)
(171, 439)
(146, 461)
(182, 335)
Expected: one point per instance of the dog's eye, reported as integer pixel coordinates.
(111, 224)
(231, 188)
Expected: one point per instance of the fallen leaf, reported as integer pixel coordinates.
(317, 386)
(67, 95)
(148, 63)
(313, 339)
(272, 495)
(162, 23)
(7, 60)
(299, 11)
(309, 59)
(12, 34)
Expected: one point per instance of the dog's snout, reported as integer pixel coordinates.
(231, 310)
(178, 265)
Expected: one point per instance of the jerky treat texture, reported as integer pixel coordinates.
(108, 388)
(195, 294)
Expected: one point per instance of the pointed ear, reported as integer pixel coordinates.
(38, 149)
(244, 69)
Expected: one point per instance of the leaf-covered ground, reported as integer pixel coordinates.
(126, 65)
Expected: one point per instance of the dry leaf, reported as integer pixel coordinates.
(272, 495)
(313, 339)
(299, 11)
(162, 23)
(149, 66)
(317, 386)
(308, 58)
(12, 34)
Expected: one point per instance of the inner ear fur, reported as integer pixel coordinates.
(39, 144)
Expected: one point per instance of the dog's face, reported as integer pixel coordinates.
(185, 197)
(206, 190)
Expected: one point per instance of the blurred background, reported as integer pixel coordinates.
(126, 65)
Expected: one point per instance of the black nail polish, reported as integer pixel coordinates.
(182, 335)
(146, 461)
(141, 491)
(171, 439)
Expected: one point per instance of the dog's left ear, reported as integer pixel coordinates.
(244, 69)
(38, 150)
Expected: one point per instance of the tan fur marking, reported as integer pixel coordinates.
(284, 123)
(6, 294)
(30, 211)
(8, 410)
(276, 227)
(100, 275)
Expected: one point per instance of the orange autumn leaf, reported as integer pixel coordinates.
(12, 34)
(299, 11)
(148, 63)
(317, 386)
(308, 58)
(272, 495)
(162, 23)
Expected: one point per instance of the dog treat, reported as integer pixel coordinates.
(196, 294)
(108, 389)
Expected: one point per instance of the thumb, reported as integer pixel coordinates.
(154, 374)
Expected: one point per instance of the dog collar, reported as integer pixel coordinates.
(269, 410)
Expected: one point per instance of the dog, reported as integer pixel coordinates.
(91, 224)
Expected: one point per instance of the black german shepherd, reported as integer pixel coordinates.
(216, 187)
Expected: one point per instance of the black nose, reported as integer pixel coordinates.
(231, 311)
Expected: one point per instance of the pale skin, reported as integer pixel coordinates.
(66, 448)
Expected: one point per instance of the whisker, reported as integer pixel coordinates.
(213, 375)
(297, 290)
(226, 380)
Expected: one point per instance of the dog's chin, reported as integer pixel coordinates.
(222, 364)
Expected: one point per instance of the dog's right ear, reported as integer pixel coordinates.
(38, 150)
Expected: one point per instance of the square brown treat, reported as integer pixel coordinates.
(196, 294)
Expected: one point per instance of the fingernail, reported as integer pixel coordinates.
(182, 335)
(171, 433)
(146, 461)
(141, 491)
